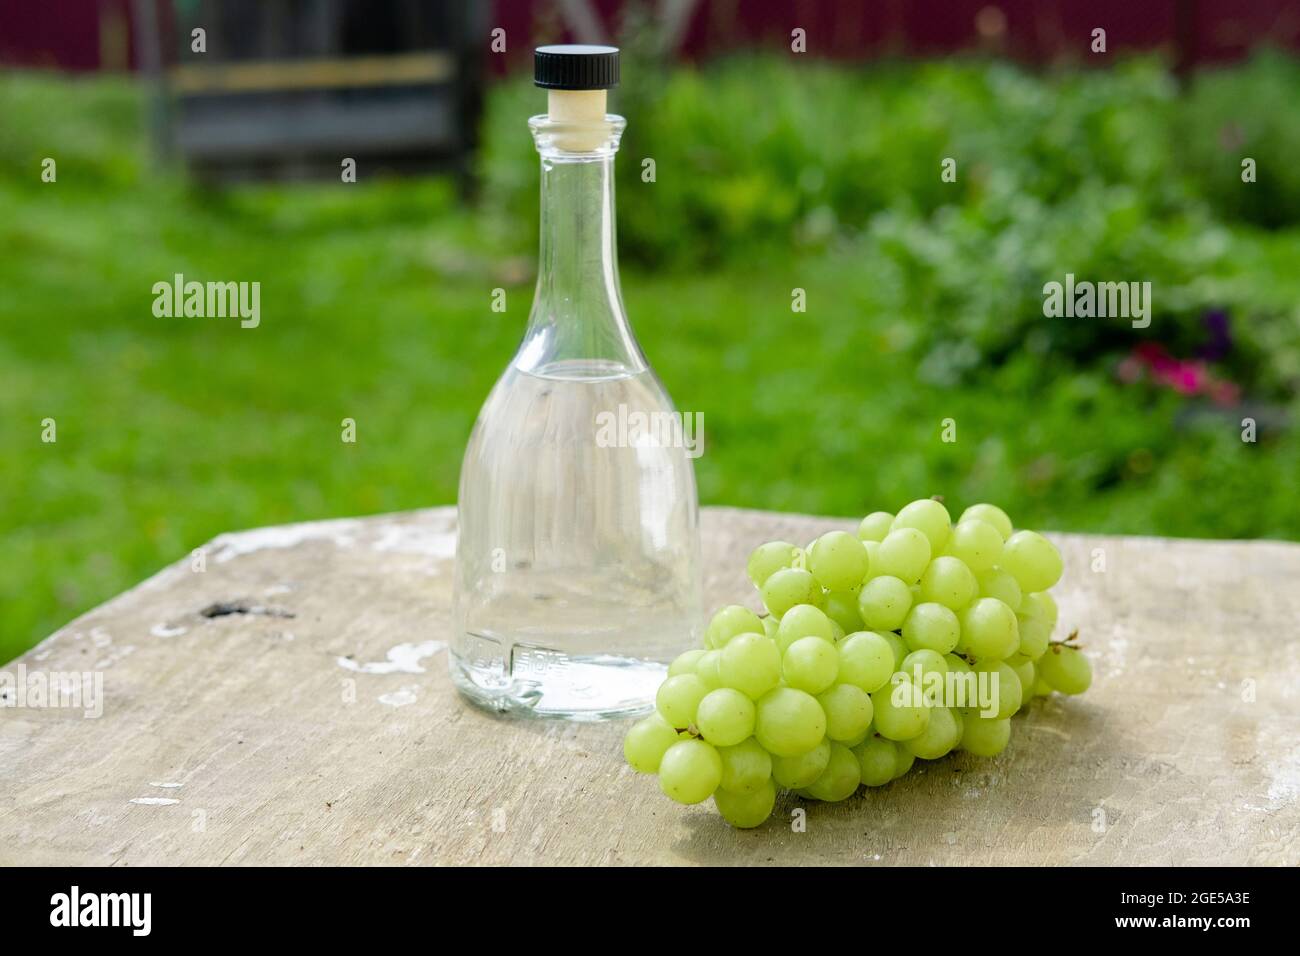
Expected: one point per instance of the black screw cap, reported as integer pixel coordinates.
(575, 66)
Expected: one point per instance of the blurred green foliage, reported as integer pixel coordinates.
(924, 303)
(1111, 175)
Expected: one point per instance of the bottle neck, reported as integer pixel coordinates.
(578, 317)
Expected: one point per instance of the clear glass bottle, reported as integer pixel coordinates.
(577, 563)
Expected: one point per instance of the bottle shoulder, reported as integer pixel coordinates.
(567, 402)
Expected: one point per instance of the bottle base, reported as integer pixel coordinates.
(599, 687)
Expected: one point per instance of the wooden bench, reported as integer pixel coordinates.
(290, 704)
(285, 90)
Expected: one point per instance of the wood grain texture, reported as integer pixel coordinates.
(250, 714)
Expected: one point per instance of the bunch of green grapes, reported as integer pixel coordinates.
(834, 687)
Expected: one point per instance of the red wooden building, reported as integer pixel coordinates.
(103, 34)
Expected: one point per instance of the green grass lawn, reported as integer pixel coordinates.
(376, 307)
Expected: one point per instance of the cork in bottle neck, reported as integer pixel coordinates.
(576, 122)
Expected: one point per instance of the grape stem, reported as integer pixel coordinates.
(1070, 642)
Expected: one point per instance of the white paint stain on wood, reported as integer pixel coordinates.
(115, 653)
(400, 698)
(154, 801)
(402, 659)
(416, 538)
(1284, 780)
(227, 547)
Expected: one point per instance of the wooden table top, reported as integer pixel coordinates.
(263, 736)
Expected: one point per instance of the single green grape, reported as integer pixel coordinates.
(842, 608)
(690, 771)
(996, 583)
(746, 810)
(746, 766)
(803, 620)
(789, 722)
(899, 646)
(940, 735)
(789, 587)
(991, 514)
(839, 561)
(1043, 603)
(977, 543)
(877, 760)
(1032, 560)
(949, 582)
(686, 662)
(854, 741)
(873, 557)
(1065, 669)
(646, 742)
(679, 698)
(884, 603)
(960, 721)
(866, 660)
(767, 559)
(728, 622)
(961, 643)
(725, 717)
(990, 629)
(918, 664)
(928, 670)
(899, 710)
(1026, 673)
(840, 778)
(985, 736)
(795, 773)
(810, 664)
(1035, 634)
(903, 554)
(905, 760)
(957, 664)
(962, 682)
(931, 626)
(875, 526)
(1039, 604)
(1003, 684)
(848, 710)
(706, 669)
(750, 664)
(929, 516)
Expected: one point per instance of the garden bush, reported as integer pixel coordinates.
(1112, 175)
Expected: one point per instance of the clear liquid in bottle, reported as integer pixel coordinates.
(577, 563)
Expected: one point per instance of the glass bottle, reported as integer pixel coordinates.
(577, 562)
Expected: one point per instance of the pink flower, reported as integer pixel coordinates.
(1187, 377)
